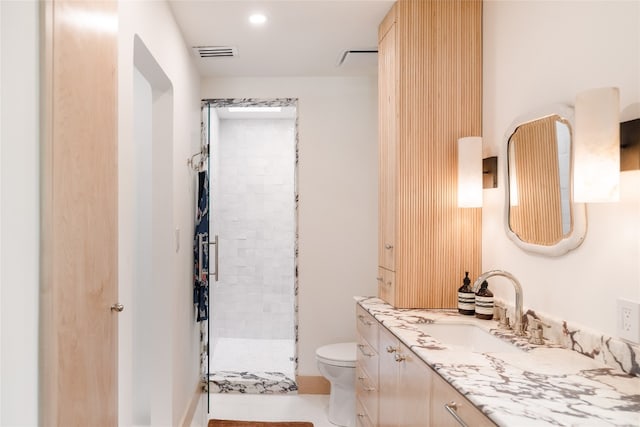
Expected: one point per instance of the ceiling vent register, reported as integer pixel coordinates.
(354, 52)
(215, 51)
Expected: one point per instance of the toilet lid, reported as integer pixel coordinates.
(342, 354)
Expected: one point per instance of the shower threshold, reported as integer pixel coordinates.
(251, 382)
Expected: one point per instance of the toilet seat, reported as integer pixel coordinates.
(341, 354)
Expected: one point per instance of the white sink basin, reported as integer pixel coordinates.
(466, 337)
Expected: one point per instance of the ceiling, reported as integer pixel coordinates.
(300, 37)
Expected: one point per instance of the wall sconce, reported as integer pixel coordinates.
(597, 146)
(490, 172)
(470, 172)
(630, 145)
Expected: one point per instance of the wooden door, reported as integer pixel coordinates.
(414, 392)
(79, 214)
(387, 145)
(445, 396)
(388, 404)
(386, 286)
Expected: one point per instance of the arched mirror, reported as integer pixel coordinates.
(540, 214)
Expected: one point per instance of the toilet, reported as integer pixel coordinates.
(337, 363)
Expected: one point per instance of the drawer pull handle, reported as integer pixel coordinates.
(364, 320)
(391, 349)
(361, 347)
(369, 389)
(388, 246)
(389, 283)
(360, 415)
(400, 357)
(379, 278)
(451, 408)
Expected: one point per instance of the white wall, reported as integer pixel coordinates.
(143, 287)
(153, 22)
(540, 53)
(19, 261)
(337, 183)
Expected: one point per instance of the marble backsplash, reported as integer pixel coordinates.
(613, 352)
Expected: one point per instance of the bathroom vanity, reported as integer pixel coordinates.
(477, 374)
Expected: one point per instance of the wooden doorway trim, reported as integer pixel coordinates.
(79, 213)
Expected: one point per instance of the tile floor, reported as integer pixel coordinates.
(261, 407)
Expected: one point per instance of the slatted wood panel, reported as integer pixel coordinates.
(438, 100)
(79, 214)
(537, 217)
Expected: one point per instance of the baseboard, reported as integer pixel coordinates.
(313, 385)
(187, 417)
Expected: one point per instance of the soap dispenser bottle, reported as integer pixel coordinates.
(466, 297)
(484, 302)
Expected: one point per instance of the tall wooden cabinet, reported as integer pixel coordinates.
(430, 94)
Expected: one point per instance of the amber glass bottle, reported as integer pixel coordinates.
(484, 302)
(466, 297)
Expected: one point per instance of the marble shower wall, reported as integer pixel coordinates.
(255, 220)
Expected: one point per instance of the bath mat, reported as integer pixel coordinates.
(232, 423)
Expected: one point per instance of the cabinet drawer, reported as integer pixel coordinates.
(447, 404)
(367, 360)
(367, 326)
(362, 418)
(367, 394)
(387, 286)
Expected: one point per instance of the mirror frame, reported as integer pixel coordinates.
(578, 210)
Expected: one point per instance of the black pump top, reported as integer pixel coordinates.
(484, 291)
(466, 286)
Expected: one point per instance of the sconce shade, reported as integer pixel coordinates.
(470, 172)
(597, 146)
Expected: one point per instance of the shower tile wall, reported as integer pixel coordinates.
(254, 217)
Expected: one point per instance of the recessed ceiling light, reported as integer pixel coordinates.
(257, 19)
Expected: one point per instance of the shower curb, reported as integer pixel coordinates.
(251, 383)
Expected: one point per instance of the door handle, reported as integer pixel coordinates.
(117, 307)
(215, 257)
(452, 409)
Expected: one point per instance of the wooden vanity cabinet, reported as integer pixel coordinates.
(404, 385)
(366, 369)
(395, 388)
(443, 396)
(429, 95)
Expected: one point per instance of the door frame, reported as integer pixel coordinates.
(258, 102)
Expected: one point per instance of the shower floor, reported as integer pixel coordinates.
(254, 366)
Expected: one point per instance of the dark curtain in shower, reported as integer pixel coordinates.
(201, 250)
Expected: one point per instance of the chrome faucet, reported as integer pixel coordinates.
(518, 327)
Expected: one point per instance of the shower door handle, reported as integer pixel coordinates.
(215, 257)
(201, 243)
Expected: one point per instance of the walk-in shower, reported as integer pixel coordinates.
(252, 171)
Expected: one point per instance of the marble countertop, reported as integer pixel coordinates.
(541, 385)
